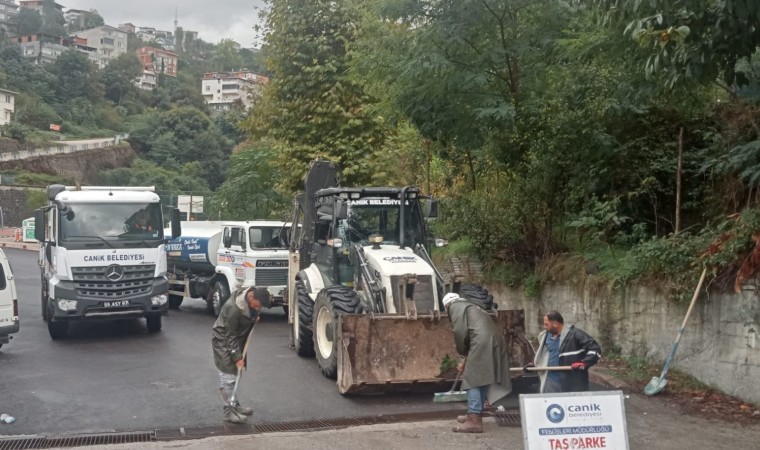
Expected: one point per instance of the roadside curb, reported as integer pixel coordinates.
(602, 376)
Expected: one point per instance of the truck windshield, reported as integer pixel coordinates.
(367, 217)
(111, 221)
(266, 237)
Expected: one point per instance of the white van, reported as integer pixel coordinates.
(8, 301)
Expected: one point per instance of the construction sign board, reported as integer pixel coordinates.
(571, 421)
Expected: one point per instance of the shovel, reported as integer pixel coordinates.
(240, 371)
(656, 385)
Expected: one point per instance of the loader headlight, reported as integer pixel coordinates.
(158, 300)
(375, 239)
(441, 242)
(67, 305)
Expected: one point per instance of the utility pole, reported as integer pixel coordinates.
(678, 181)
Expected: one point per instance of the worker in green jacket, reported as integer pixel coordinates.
(485, 373)
(231, 329)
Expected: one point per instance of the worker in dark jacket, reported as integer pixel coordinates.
(486, 368)
(231, 329)
(561, 345)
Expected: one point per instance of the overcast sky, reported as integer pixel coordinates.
(214, 20)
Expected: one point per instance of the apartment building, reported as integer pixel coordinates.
(158, 60)
(8, 11)
(128, 27)
(7, 105)
(222, 90)
(108, 42)
(37, 5)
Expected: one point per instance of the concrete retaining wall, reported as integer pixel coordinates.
(720, 347)
(15, 209)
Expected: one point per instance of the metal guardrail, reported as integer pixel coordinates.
(65, 147)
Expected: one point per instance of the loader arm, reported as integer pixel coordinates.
(374, 286)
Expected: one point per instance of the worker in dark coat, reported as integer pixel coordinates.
(560, 345)
(486, 367)
(231, 330)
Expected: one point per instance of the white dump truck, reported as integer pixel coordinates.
(102, 255)
(210, 260)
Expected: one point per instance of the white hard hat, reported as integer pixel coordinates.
(448, 298)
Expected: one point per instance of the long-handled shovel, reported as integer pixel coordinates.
(656, 385)
(240, 370)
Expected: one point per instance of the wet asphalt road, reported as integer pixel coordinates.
(115, 376)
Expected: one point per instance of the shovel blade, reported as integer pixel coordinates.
(655, 385)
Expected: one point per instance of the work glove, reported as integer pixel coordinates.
(528, 366)
(580, 365)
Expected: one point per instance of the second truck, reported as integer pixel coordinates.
(211, 260)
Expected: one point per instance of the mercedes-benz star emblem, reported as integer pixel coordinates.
(114, 272)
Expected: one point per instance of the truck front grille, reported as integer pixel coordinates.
(271, 277)
(91, 282)
(424, 297)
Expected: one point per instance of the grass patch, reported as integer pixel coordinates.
(507, 274)
(638, 371)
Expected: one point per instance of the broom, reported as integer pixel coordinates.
(452, 395)
(461, 396)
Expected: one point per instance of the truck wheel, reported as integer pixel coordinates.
(302, 334)
(175, 301)
(219, 296)
(154, 323)
(478, 295)
(331, 302)
(44, 302)
(58, 330)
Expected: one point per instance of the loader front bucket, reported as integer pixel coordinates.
(390, 353)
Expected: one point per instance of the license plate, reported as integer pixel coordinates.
(116, 303)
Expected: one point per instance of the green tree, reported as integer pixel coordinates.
(93, 19)
(689, 39)
(183, 135)
(179, 39)
(28, 21)
(312, 108)
(53, 22)
(226, 56)
(146, 173)
(249, 190)
(119, 75)
(77, 77)
(34, 112)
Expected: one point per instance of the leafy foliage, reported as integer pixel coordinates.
(311, 108)
(249, 191)
(689, 38)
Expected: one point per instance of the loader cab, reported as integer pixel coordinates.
(330, 250)
(347, 217)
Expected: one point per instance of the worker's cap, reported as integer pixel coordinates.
(450, 297)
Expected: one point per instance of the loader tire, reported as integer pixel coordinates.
(175, 301)
(477, 294)
(302, 334)
(331, 302)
